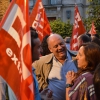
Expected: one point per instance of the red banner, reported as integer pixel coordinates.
(92, 30)
(78, 29)
(15, 50)
(39, 21)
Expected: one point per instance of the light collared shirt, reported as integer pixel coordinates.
(56, 69)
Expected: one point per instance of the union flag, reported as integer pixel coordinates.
(15, 50)
(39, 21)
(78, 29)
(92, 30)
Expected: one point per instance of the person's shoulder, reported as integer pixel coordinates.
(88, 78)
(45, 59)
(46, 56)
(87, 74)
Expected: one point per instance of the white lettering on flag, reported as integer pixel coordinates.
(76, 24)
(9, 52)
(9, 22)
(8, 27)
(75, 36)
(36, 21)
(40, 5)
(75, 45)
(38, 18)
(24, 68)
(40, 26)
(78, 17)
(15, 59)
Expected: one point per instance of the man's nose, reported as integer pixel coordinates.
(59, 47)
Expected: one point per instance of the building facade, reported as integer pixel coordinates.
(63, 9)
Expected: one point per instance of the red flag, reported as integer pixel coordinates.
(39, 21)
(92, 30)
(15, 50)
(78, 29)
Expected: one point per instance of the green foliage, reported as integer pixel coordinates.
(94, 15)
(59, 27)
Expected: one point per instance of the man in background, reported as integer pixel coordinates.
(83, 39)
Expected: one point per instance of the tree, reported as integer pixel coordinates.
(3, 7)
(94, 15)
(59, 27)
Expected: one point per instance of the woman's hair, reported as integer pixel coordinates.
(96, 81)
(92, 56)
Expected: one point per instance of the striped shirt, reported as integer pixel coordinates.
(83, 88)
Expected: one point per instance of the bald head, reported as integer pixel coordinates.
(54, 37)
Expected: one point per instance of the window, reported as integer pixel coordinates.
(56, 2)
(68, 12)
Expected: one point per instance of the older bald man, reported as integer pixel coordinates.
(51, 69)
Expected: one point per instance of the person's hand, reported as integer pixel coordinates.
(49, 93)
(70, 76)
(46, 94)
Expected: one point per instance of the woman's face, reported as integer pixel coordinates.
(82, 63)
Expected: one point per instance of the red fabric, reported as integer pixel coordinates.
(78, 29)
(15, 50)
(92, 30)
(39, 21)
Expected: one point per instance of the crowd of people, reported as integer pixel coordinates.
(65, 75)
(60, 74)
